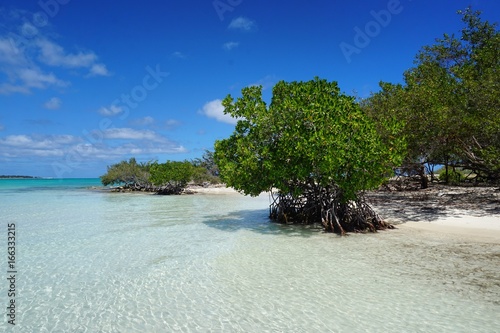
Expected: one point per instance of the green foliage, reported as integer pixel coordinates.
(311, 134)
(454, 176)
(201, 175)
(168, 178)
(178, 173)
(208, 163)
(450, 101)
(127, 173)
(205, 169)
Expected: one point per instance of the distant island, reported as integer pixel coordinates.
(18, 177)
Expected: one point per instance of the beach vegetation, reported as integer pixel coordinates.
(453, 176)
(205, 170)
(449, 104)
(127, 173)
(314, 148)
(171, 177)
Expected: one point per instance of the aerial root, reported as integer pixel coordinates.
(326, 207)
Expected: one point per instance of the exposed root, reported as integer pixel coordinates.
(326, 206)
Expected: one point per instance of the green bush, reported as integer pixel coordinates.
(455, 176)
(201, 175)
(127, 173)
(171, 172)
(170, 177)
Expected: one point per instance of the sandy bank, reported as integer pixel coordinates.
(465, 227)
(469, 213)
(212, 189)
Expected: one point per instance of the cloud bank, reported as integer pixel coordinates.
(30, 63)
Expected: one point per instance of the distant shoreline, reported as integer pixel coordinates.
(18, 177)
(190, 189)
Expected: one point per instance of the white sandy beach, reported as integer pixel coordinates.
(213, 189)
(465, 213)
(466, 227)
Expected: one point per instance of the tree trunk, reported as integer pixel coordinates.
(424, 182)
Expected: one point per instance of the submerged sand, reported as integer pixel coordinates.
(446, 236)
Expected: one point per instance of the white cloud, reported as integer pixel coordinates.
(33, 77)
(77, 148)
(22, 73)
(132, 134)
(7, 89)
(146, 121)
(54, 55)
(26, 61)
(99, 70)
(65, 139)
(153, 123)
(215, 109)
(242, 23)
(53, 104)
(230, 45)
(41, 146)
(106, 152)
(10, 54)
(16, 140)
(172, 123)
(111, 110)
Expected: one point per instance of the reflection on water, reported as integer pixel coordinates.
(107, 262)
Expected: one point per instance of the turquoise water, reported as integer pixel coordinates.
(91, 261)
(38, 184)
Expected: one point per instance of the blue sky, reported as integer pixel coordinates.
(84, 84)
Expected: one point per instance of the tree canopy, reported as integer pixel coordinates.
(450, 101)
(311, 141)
(170, 177)
(127, 173)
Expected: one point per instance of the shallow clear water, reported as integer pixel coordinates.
(90, 261)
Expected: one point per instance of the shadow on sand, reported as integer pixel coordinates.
(435, 203)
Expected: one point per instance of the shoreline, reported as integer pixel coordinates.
(459, 212)
(485, 229)
(189, 190)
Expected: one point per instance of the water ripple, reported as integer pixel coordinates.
(123, 263)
